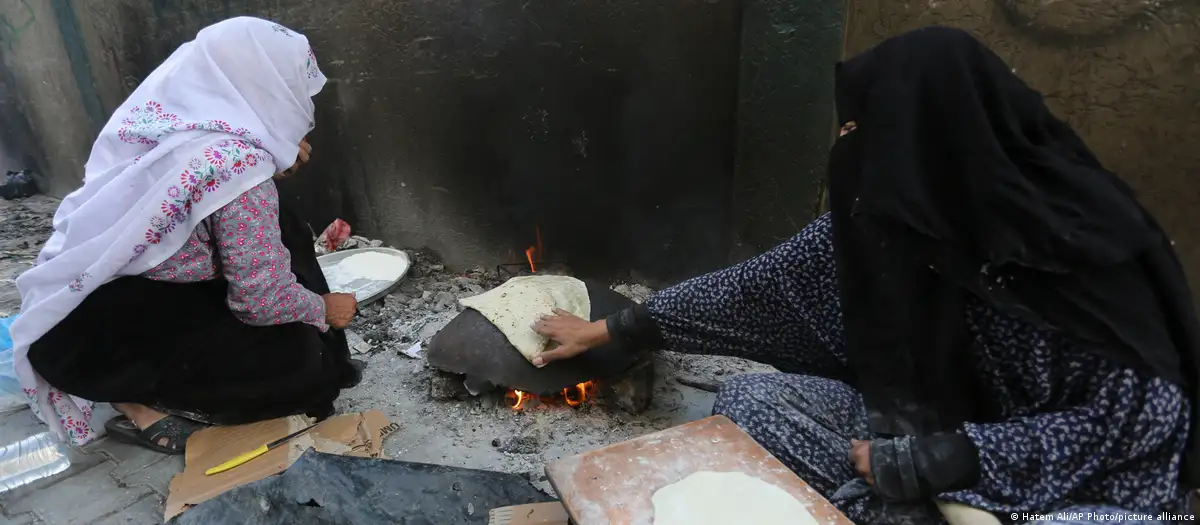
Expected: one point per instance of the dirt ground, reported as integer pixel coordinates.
(24, 225)
(480, 432)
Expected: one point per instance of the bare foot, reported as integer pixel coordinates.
(141, 415)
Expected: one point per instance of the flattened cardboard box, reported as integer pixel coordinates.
(359, 434)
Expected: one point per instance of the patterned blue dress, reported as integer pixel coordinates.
(1079, 434)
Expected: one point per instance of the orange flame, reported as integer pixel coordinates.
(577, 394)
(573, 396)
(529, 256)
(533, 254)
(515, 399)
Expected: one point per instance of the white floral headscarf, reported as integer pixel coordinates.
(222, 115)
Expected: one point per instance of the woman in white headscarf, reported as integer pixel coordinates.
(174, 286)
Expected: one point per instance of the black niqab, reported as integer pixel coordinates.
(958, 180)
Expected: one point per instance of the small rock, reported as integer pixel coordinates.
(446, 386)
(470, 509)
(352, 338)
(413, 351)
(632, 390)
(433, 326)
(446, 301)
(362, 347)
(517, 445)
(426, 295)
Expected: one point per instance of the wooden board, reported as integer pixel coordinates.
(614, 485)
(551, 513)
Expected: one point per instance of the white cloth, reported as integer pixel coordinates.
(221, 115)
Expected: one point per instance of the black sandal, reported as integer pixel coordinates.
(175, 429)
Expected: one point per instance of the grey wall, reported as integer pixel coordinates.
(785, 117)
(460, 125)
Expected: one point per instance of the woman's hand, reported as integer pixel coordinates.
(340, 309)
(301, 157)
(860, 456)
(573, 335)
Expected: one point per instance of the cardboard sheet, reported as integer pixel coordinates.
(359, 434)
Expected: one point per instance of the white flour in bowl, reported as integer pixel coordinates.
(359, 273)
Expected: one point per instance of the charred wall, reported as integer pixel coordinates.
(644, 138)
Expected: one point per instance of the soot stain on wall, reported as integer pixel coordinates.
(465, 126)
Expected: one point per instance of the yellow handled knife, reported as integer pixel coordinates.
(245, 458)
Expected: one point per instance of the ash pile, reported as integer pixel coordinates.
(423, 303)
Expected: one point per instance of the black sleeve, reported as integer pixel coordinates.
(635, 329)
(908, 468)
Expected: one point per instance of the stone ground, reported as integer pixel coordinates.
(112, 483)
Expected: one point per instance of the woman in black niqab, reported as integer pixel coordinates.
(985, 307)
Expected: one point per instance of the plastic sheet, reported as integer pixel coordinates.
(11, 396)
(328, 489)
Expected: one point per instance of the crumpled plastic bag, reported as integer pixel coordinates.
(334, 235)
(18, 185)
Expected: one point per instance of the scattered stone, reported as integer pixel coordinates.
(631, 391)
(18, 185)
(358, 345)
(637, 292)
(413, 351)
(445, 386)
(518, 445)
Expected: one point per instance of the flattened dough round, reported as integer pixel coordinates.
(727, 498)
(515, 305)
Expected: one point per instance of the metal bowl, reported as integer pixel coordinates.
(366, 291)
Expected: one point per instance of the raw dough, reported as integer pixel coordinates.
(727, 498)
(515, 305)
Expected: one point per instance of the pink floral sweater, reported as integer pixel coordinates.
(242, 243)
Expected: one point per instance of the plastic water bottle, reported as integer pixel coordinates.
(31, 459)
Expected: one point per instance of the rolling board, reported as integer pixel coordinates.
(614, 485)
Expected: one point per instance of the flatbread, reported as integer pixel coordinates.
(515, 305)
(727, 498)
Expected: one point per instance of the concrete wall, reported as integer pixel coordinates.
(460, 125)
(785, 117)
(1124, 73)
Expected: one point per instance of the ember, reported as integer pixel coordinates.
(572, 396)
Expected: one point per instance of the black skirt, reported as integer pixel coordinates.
(178, 348)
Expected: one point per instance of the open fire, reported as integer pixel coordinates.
(571, 396)
(534, 253)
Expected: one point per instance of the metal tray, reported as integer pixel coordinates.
(368, 291)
